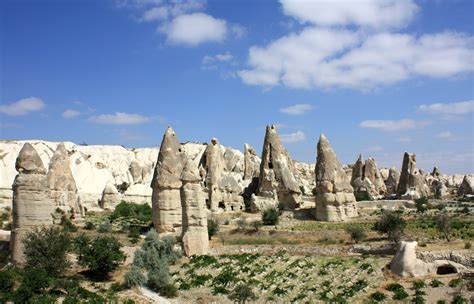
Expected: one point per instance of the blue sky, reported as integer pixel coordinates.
(377, 77)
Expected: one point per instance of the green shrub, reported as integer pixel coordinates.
(270, 217)
(104, 227)
(155, 249)
(441, 302)
(418, 285)
(159, 281)
(46, 248)
(436, 283)
(444, 224)
(34, 281)
(67, 224)
(134, 235)
(142, 212)
(357, 233)
(467, 245)
(134, 278)
(421, 204)
(242, 293)
(455, 282)
(459, 299)
(362, 196)
(398, 290)
(392, 224)
(7, 280)
(378, 296)
(100, 255)
(89, 226)
(212, 227)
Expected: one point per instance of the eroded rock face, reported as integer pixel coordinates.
(278, 172)
(63, 189)
(194, 211)
(411, 184)
(110, 197)
(366, 179)
(166, 184)
(467, 185)
(32, 206)
(406, 264)
(140, 170)
(392, 180)
(251, 162)
(335, 199)
(214, 166)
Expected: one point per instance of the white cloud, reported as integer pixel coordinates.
(225, 57)
(194, 29)
(445, 135)
(453, 108)
(393, 125)
(370, 13)
(326, 58)
(293, 137)
(22, 107)
(119, 118)
(70, 113)
(297, 109)
(155, 13)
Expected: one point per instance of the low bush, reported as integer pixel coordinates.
(242, 293)
(67, 224)
(399, 292)
(270, 217)
(436, 283)
(104, 227)
(392, 224)
(421, 204)
(212, 227)
(362, 196)
(142, 212)
(378, 296)
(357, 233)
(455, 282)
(134, 278)
(89, 226)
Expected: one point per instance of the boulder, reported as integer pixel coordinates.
(412, 183)
(110, 197)
(32, 206)
(194, 212)
(335, 199)
(62, 186)
(166, 185)
(467, 185)
(278, 172)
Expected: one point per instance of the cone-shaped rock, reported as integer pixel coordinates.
(372, 173)
(467, 185)
(32, 206)
(110, 197)
(391, 182)
(335, 199)
(63, 189)
(277, 171)
(214, 165)
(166, 184)
(411, 184)
(193, 202)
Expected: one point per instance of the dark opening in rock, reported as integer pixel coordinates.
(221, 205)
(446, 269)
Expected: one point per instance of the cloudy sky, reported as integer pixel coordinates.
(378, 77)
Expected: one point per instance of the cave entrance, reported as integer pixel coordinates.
(446, 269)
(221, 205)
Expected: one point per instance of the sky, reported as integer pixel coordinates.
(377, 77)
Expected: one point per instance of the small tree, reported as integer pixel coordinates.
(256, 225)
(134, 278)
(270, 217)
(242, 293)
(212, 227)
(421, 204)
(444, 224)
(100, 255)
(46, 248)
(392, 224)
(357, 233)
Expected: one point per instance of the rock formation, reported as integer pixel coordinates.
(110, 197)
(411, 184)
(214, 165)
(467, 185)
(139, 170)
(277, 172)
(367, 180)
(406, 264)
(166, 184)
(62, 186)
(251, 162)
(391, 182)
(32, 206)
(194, 211)
(335, 199)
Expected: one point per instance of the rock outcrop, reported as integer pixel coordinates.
(32, 206)
(251, 163)
(367, 180)
(194, 211)
(62, 186)
(391, 182)
(467, 185)
(406, 264)
(166, 184)
(411, 184)
(110, 197)
(335, 199)
(278, 172)
(214, 166)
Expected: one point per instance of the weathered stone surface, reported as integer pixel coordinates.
(166, 184)
(251, 162)
(467, 185)
(392, 180)
(32, 206)
(411, 184)
(262, 203)
(140, 170)
(335, 199)
(366, 179)
(214, 165)
(278, 172)
(63, 190)
(110, 197)
(194, 212)
(406, 264)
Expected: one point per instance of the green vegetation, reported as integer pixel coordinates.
(270, 217)
(141, 212)
(399, 292)
(455, 283)
(362, 196)
(212, 227)
(444, 224)
(392, 224)
(101, 255)
(378, 296)
(421, 204)
(357, 233)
